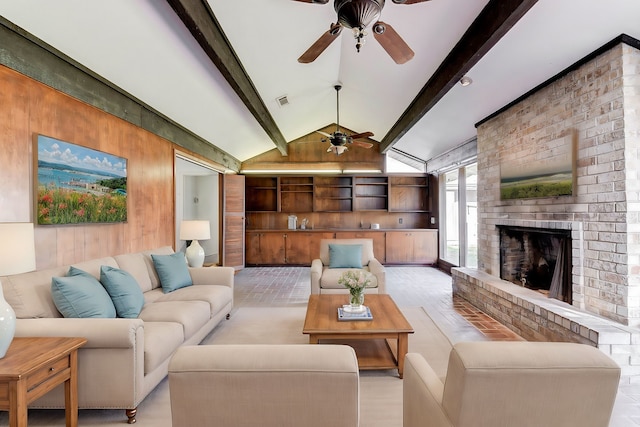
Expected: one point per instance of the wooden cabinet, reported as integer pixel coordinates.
(378, 237)
(301, 247)
(408, 193)
(265, 248)
(284, 247)
(412, 247)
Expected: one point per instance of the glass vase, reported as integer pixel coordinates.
(356, 301)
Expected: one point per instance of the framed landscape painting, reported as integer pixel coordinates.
(547, 173)
(78, 185)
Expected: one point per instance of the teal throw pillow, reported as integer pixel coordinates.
(345, 256)
(79, 294)
(124, 291)
(172, 271)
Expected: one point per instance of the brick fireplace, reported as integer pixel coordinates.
(538, 259)
(595, 107)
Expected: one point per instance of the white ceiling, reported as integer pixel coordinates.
(144, 48)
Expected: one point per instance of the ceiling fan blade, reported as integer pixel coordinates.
(361, 135)
(321, 44)
(316, 1)
(363, 144)
(402, 1)
(324, 133)
(391, 41)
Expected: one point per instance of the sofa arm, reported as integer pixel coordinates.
(377, 269)
(316, 273)
(222, 276)
(100, 333)
(422, 394)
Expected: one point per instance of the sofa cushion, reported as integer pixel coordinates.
(29, 294)
(216, 296)
(151, 269)
(345, 256)
(172, 271)
(93, 266)
(135, 264)
(192, 315)
(124, 291)
(330, 276)
(79, 294)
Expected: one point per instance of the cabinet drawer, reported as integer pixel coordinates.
(51, 370)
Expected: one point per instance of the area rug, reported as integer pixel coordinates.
(380, 391)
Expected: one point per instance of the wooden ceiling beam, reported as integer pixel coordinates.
(199, 19)
(495, 20)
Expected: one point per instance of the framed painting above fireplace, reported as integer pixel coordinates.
(78, 185)
(548, 171)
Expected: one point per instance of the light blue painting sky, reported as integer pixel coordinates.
(56, 151)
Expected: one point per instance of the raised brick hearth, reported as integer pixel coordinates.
(535, 317)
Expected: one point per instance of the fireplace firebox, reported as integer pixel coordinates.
(536, 258)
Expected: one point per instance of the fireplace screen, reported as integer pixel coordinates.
(539, 259)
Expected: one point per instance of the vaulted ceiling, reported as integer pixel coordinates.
(218, 67)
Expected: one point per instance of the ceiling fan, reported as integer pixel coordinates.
(338, 139)
(357, 15)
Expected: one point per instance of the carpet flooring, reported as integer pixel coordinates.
(380, 391)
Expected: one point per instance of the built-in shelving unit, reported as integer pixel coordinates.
(408, 193)
(300, 194)
(296, 194)
(372, 193)
(333, 194)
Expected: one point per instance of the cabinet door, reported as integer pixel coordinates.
(265, 248)
(378, 237)
(399, 247)
(233, 240)
(425, 247)
(302, 247)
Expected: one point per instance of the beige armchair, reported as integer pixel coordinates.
(324, 277)
(494, 384)
(265, 385)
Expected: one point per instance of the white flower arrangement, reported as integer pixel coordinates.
(355, 281)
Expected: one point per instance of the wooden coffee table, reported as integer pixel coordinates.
(380, 343)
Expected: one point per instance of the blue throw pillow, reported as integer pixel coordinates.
(124, 291)
(345, 256)
(172, 271)
(79, 294)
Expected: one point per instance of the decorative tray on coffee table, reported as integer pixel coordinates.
(345, 314)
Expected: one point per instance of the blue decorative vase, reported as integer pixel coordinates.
(7, 324)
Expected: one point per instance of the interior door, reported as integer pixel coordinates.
(233, 220)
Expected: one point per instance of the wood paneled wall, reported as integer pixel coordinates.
(28, 108)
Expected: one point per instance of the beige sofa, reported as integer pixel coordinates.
(124, 358)
(324, 280)
(264, 385)
(524, 384)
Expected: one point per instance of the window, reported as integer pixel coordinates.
(459, 227)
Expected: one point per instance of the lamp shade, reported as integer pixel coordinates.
(17, 251)
(195, 230)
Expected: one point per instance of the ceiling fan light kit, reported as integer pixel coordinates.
(338, 139)
(358, 15)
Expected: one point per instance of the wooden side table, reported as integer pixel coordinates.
(31, 368)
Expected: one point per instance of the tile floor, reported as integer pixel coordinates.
(409, 287)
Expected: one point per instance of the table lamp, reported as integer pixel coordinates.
(194, 231)
(17, 255)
